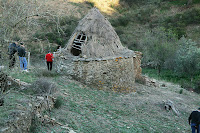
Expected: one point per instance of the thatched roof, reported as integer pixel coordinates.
(101, 39)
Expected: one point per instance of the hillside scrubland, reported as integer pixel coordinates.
(165, 31)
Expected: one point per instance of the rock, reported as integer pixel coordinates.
(4, 129)
(65, 127)
(163, 85)
(40, 98)
(71, 131)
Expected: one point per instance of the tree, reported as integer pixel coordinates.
(187, 59)
(17, 14)
(158, 46)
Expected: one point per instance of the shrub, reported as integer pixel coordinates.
(90, 3)
(187, 59)
(43, 86)
(58, 102)
(181, 91)
(54, 34)
(46, 73)
(35, 123)
(144, 15)
(158, 47)
(179, 22)
(197, 86)
(120, 21)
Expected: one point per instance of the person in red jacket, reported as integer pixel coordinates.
(49, 58)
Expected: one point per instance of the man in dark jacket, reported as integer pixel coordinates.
(22, 58)
(12, 49)
(194, 120)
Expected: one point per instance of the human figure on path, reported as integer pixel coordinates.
(12, 49)
(194, 120)
(22, 58)
(49, 59)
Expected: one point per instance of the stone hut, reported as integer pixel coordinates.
(95, 56)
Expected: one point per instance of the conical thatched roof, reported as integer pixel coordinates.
(100, 39)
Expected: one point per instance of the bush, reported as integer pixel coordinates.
(157, 47)
(144, 15)
(58, 102)
(120, 21)
(43, 86)
(181, 91)
(197, 86)
(46, 73)
(35, 124)
(90, 3)
(187, 59)
(179, 22)
(66, 27)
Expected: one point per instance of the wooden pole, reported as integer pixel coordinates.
(28, 66)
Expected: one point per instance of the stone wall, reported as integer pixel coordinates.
(116, 73)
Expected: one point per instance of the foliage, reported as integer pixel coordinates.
(91, 3)
(197, 85)
(59, 101)
(35, 124)
(178, 22)
(43, 86)
(187, 59)
(46, 73)
(181, 2)
(143, 15)
(181, 91)
(157, 46)
(120, 21)
(29, 77)
(59, 32)
(16, 15)
(141, 2)
(170, 76)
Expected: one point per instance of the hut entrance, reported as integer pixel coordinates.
(80, 39)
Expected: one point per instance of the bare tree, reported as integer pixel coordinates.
(17, 14)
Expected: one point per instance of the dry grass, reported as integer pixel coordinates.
(103, 5)
(91, 110)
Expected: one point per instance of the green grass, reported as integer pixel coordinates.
(90, 110)
(171, 76)
(10, 102)
(28, 77)
(164, 75)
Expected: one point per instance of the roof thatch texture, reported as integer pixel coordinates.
(102, 40)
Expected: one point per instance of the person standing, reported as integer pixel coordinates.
(49, 59)
(194, 120)
(12, 49)
(22, 58)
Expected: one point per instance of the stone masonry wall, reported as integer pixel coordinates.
(115, 74)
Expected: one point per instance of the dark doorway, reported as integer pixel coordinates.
(80, 39)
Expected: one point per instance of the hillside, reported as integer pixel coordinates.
(83, 109)
(158, 28)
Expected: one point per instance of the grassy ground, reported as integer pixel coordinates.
(170, 76)
(89, 110)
